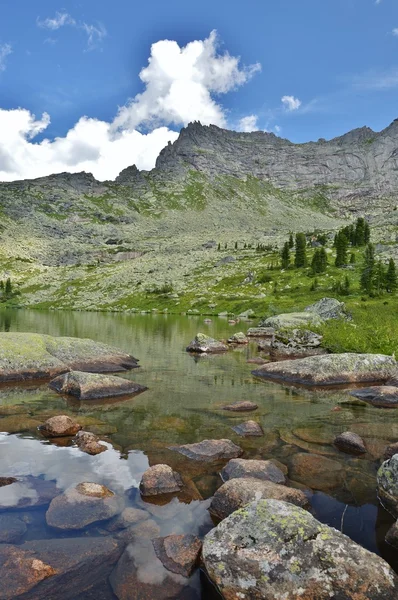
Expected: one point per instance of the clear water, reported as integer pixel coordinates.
(182, 405)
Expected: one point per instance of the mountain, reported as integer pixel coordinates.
(71, 241)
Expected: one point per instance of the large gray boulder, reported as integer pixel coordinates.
(314, 314)
(328, 308)
(275, 550)
(89, 386)
(331, 369)
(204, 344)
(36, 356)
(387, 484)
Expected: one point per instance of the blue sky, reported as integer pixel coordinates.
(335, 63)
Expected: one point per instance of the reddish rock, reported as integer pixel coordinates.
(60, 426)
(178, 553)
(236, 493)
(208, 450)
(316, 471)
(242, 406)
(160, 479)
(249, 429)
(89, 443)
(350, 442)
(20, 571)
(265, 470)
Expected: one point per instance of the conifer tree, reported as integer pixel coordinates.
(300, 259)
(285, 256)
(236, 245)
(323, 260)
(8, 288)
(391, 277)
(367, 275)
(291, 242)
(315, 263)
(360, 232)
(378, 278)
(367, 232)
(341, 249)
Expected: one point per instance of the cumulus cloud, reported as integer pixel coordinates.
(95, 33)
(395, 31)
(5, 51)
(179, 87)
(291, 103)
(248, 124)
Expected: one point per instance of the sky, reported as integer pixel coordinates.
(98, 86)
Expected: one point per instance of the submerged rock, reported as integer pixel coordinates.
(178, 553)
(249, 429)
(27, 492)
(128, 517)
(60, 426)
(206, 345)
(387, 485)
(316, 471)
(332, 369)
(208, 450)
(160, 479)
(87, 386)
(36, 356)
(257, 469)
(82, 505)
(236, 493)
(11, 529)
(383, 396)
(238, 338)
(54, 568)
(242, 406)
(272, 549)
(89, 443)
(350, 442)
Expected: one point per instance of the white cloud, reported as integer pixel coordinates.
(277, 129)
(248, 124)
(179, 88)
(179, 83)
(395, 31)
(60, 20)
(291, 103)
(5, 50)
(95, 33)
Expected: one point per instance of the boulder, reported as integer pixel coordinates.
(392, 535)
(81, 506)
(160, 479)
(238, 338)
(27, 492)
(265, 470)
(350, 442)
(7, 481)
(249, 429)
(315, 314)
(208, 450)
(54, 568)
(387, 485)
(241, 406)
(332, 369)
(89, 386)
(279, 351)
(236, 493)
(128, 517)
(204, 344)
(12, 529)
(381, 396)
(328, 308)
(316, 471)
(178, 553)
(89, 443)
(35, 356)
(300, 338)
(59, 426)
(273, 549)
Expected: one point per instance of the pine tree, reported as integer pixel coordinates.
(367, 274)
(2, 285)
(341, 249)
(323, 260)
(360, 232)
(378, 278)
(316, 262)
(314, 285)
(285, 256)
(226, 245)
(219, 246)
(300, 259)
(367, 233)
(291, 242)
(346, 286)
(8, 288)
(236, 245)
(391, 277)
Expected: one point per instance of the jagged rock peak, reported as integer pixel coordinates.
(129, 175)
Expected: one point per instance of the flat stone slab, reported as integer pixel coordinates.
(249, 429)
(261, 332)
(273, 549)
(382, 396)
(265, 470)
(236, 493)
(25, 356)
(332, 369)
(242, 406)
(91, 386)
(209, 450)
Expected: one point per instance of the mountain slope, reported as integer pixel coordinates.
(71, 241)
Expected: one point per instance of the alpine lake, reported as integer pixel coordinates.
(183, 404)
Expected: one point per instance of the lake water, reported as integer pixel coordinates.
(183, 405)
